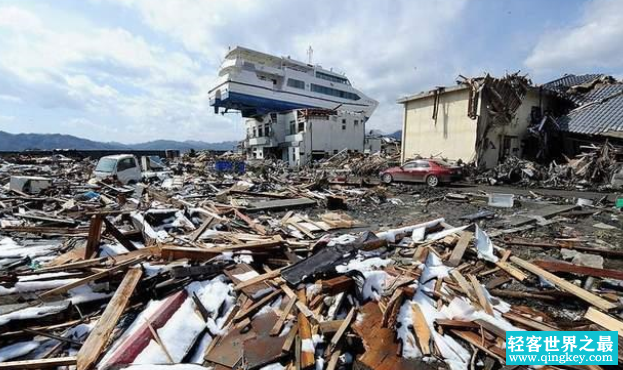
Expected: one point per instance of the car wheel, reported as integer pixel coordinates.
(387, 178)
(432, 181)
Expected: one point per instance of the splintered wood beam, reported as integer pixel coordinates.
(38, 364)
(556, 266)
(99, 336)
(308, 359)
(255, 226)
(95, 235)
(256, 306)
(585, 295)
(604, 320)
(511, 270)
(258, 279)
(65, 288)
(283, 317)
(480, 294)
(121, 238)
(421, 329)
(340, 332)
(459, 250)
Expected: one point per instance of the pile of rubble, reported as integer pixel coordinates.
(360, 164)
(597, 166)
(231, 273)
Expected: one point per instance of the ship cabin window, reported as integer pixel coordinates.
(343, 123)
(267, 129)
(298, 84)
(332, 78)
(254, 131)
(301, 126)
(260, 131)
(356, 122)
(334, 92)
(248, 66)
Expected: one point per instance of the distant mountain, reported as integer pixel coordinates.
(18, 142)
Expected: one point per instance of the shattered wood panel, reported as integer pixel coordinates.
(264, 348)
(251, 291)
(380, 344)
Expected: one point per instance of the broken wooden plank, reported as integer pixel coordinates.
(283, 317)
(604, 320)
(280, 204)
(258, 279)
(421, 330)
(558, 266)
(117, 234)
(585, 295)
(459, 249)
(480, 294)
(308, 359)
(99, 336)
(65, 288)
(38, 364)
(340, 332)
(256, 306)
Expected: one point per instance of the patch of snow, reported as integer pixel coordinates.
(307, 345)
(275, 366)
(45, 309)
(363, 265)
(17, 350)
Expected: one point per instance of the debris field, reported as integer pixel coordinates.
(275, 269)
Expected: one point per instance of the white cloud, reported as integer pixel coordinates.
(150, 87)
(388, 49)
(594, 42)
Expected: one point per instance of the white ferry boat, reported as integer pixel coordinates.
(256, 84)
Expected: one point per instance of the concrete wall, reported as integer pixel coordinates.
(452, 135)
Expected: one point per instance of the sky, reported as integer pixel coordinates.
(138, 70)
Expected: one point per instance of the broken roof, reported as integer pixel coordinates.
(600, 114)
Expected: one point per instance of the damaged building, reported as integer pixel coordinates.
(486, 120)
(593, 110)
(301, 135)
(482, 120)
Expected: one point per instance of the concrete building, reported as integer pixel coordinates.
(482, 120)
(301, 135)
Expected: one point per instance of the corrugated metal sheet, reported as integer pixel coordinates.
(600, 113)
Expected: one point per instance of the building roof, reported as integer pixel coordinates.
(565, 82)
(426, 94)
(601, 113)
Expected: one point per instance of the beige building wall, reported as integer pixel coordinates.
(452, 135)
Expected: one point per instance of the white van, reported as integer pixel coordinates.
(124, 167)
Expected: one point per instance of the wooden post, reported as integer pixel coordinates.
(99, 336)
(95, 234)
(307, 344)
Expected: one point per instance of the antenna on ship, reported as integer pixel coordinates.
(310, 55)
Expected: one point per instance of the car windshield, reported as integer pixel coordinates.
(105, 165)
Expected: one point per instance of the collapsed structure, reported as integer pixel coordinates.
(486, 120)
(295, 111)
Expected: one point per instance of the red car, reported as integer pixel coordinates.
(431, 171)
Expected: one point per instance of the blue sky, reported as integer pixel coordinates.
(138, 70)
